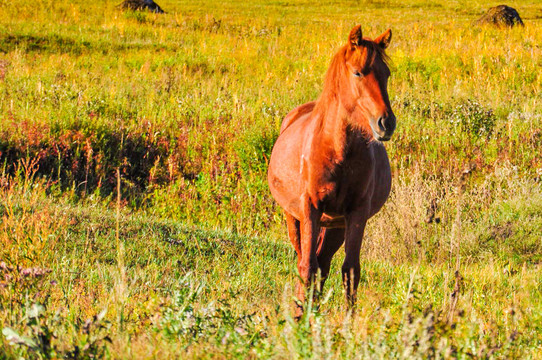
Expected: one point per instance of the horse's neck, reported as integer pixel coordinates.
(334, 130)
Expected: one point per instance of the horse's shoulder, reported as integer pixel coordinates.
(296, 113)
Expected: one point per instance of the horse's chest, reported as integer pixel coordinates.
(344, 186)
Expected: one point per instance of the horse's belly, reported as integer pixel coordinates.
(382, 180)
(284, 173)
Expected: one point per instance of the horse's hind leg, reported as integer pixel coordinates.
(294, 234)
(329, 242)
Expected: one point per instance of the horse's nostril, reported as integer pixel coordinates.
(381, 124)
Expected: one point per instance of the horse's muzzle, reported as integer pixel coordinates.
(383, 127)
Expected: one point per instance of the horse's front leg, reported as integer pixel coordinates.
(308, 265)
(355, 226)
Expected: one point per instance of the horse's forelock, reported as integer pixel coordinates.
(374, 52)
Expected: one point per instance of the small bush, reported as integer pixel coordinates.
(474, 119)
(39, 335)
(213, 323)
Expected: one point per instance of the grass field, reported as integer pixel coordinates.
(190, 258)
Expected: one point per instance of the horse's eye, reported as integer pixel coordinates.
(358, 74)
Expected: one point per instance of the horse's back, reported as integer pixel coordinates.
(297, 113)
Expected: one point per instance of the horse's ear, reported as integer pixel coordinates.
(384, 40)
(355, 36)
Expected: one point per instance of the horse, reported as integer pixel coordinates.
(329, 169)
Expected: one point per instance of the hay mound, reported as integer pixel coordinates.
(501, 16)
(141, 5)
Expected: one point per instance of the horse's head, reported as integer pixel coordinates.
(366, 80)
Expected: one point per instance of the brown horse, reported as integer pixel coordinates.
(329, 169)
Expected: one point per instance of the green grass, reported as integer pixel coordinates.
(169, 290)
(196, 264)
